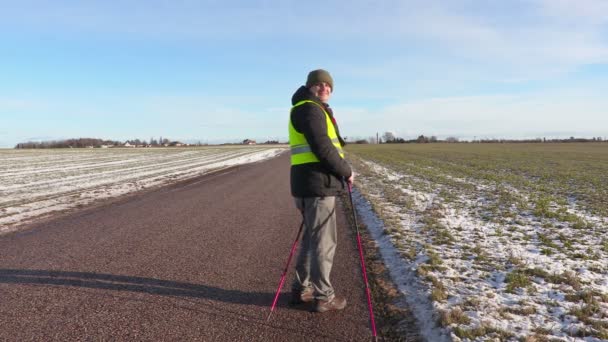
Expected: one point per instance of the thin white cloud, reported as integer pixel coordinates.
(579, 12)
(536, 47)
(498, 116)
(8, 105)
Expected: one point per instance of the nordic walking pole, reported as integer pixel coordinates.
(369, 299)
(293, 248)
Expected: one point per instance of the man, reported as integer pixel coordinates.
(317, 170)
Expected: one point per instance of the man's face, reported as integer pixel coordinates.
(321, 90)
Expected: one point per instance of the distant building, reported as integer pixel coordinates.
(249, 142)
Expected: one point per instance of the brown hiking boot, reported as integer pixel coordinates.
(301, 296)
(336, 303)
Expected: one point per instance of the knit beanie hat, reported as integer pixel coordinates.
(317, 76)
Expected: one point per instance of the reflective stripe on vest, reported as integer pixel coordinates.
(300, 149)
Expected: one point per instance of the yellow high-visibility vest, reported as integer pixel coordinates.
(300, 149)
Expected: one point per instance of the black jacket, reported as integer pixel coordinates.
(323, 178)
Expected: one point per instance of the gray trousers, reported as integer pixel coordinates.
(318, 246)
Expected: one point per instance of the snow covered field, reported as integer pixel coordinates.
(489, 258)
(35, 183)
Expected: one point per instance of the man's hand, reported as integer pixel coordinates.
(351, 179)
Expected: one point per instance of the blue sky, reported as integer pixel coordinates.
(225, 70)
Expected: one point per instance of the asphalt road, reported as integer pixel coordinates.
(196, 261)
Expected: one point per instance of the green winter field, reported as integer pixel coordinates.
(510, 241)
(558, 172)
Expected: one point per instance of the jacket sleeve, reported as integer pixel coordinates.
(310, 121)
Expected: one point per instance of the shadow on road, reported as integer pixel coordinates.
(156, 287)
(133, 284)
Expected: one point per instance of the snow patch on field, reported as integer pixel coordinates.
(35, 184)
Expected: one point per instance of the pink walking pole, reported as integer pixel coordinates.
(293, 249)
(369, 299)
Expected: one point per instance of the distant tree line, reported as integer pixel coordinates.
(96, 143)
(543, 140)
(390, 138)
(75, 143)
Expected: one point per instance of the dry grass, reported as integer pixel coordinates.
(454, 316)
